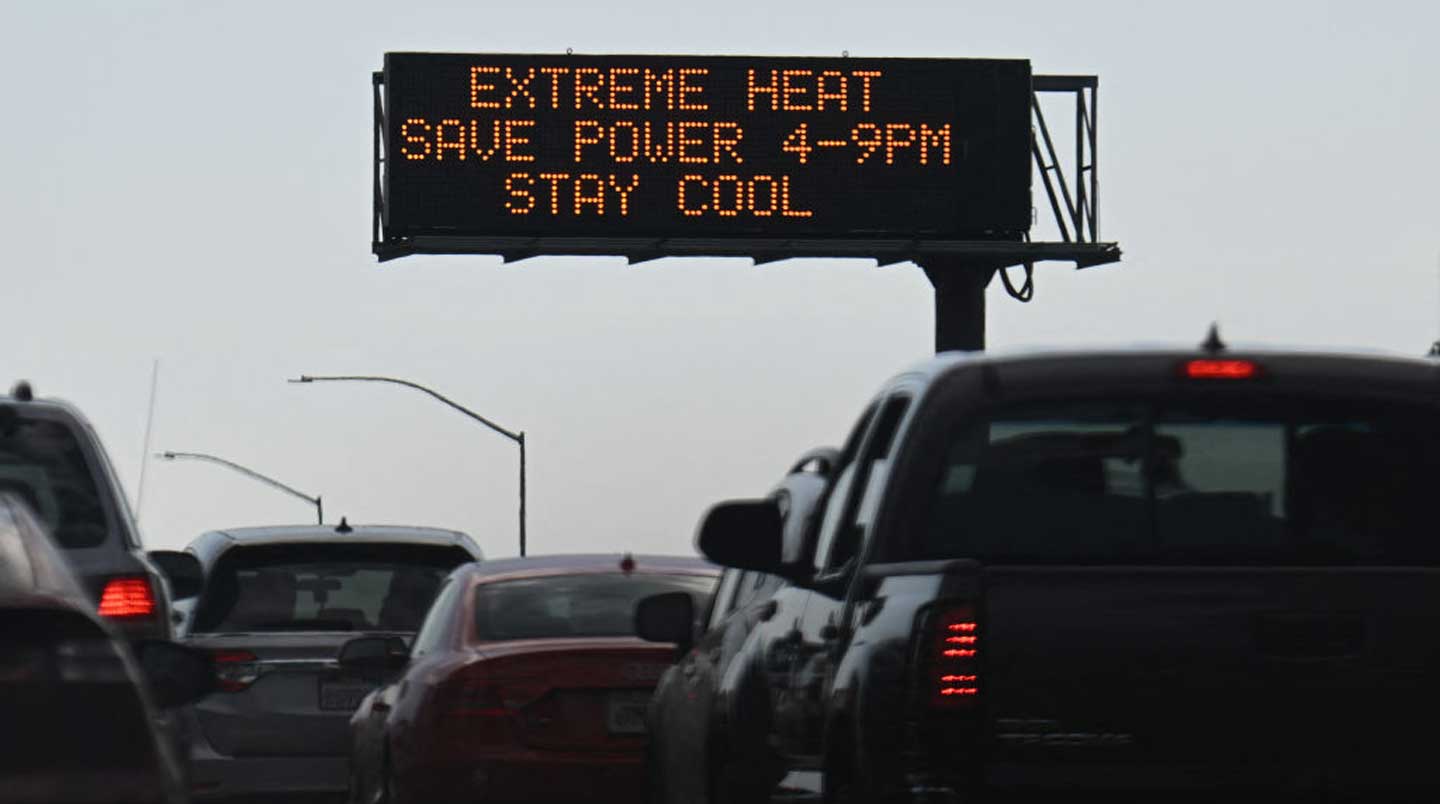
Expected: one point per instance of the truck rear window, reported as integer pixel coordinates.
(42, 461)
(326, 587)
(1261, 481)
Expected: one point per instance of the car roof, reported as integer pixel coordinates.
(587, 563)
(44, 405)
(210, 545)
(32, 568)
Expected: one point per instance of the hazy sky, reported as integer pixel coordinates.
(191, 182)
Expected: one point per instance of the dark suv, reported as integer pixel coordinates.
(51, 458)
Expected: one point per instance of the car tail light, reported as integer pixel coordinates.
(952, 674)
(473, 691)
(74, 660)
(477, 698)
(471, 710)
(236, 670)
(1210, 369)
(127, 598)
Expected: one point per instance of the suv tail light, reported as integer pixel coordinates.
(952, 672)
(127, 598)
(236, 669)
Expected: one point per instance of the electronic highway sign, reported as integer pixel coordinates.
(725, 154)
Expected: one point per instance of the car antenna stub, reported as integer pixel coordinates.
(343, 527)
(22, 391)
(1213, 344)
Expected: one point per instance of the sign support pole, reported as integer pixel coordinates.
(959, 302)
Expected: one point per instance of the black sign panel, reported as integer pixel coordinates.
(503, 146)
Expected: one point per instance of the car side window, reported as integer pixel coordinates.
(856, 499)
(840, 490)
(724, 594)
(432, 629)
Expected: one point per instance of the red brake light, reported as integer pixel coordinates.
(235, 669)
(125, 598)
(479, 700)
(1221, 369)
(952, 676)
(472, 709)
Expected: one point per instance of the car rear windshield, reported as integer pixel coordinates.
(333, 587)
(1263, 481)
(590, 605)
(42, 461)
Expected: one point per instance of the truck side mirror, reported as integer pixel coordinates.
(182, 570)
(744, 534)
(667, 617)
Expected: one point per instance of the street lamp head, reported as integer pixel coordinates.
(302, 378)
(169, 456)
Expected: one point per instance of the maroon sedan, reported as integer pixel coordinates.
(525, 682)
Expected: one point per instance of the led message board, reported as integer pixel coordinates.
(496, 146)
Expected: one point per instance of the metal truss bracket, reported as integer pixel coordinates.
(1077, 213)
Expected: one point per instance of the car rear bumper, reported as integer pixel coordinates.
(216, 775)
(293, 763)
(531, 777)
(244, 776)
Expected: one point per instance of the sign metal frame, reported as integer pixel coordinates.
(1076, 214)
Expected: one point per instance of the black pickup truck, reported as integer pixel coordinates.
(1122, 574)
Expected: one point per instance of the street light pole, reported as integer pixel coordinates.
(516, 436)
(251, 473)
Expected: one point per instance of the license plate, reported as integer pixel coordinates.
(625, 712)
(343, 696)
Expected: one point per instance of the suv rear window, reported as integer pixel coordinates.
(42, 461)
(331, 587)
(1173, 481)
(591, 605)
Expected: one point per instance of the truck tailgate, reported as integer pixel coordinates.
(1264, 675)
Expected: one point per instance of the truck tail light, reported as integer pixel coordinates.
(952, 672)
(127, 598)
(1228, 369)
(236, 669)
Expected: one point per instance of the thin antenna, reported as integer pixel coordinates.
(1435, 347)
(149, 425)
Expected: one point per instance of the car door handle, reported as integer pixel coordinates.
(768, 612)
